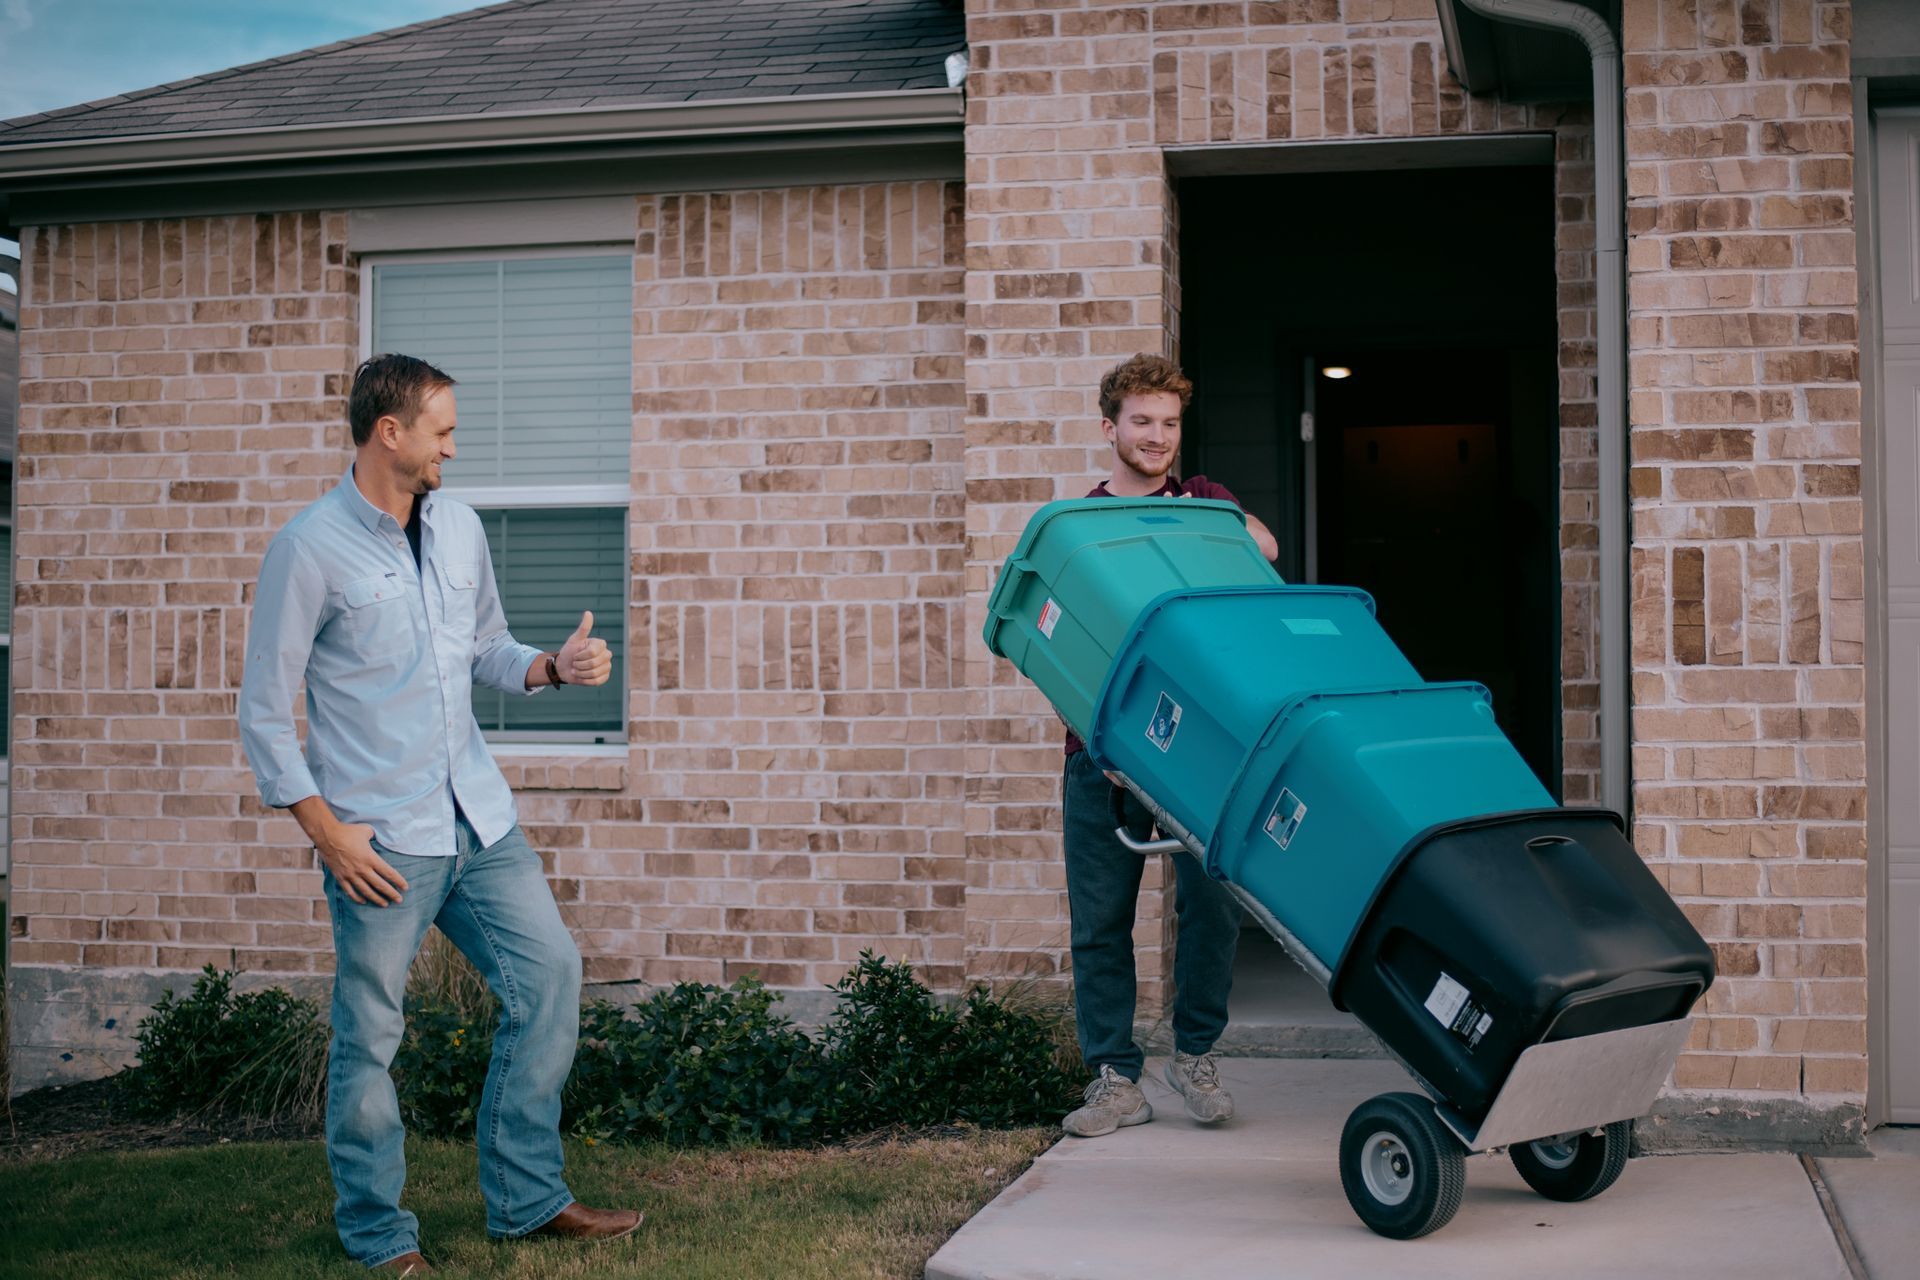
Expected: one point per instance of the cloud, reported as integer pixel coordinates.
(18, 14)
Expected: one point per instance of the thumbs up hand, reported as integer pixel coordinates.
(584, 658)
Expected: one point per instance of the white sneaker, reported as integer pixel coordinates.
(1113, 1102)
(1196, 1078)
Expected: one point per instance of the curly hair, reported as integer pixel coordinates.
(1144, 374)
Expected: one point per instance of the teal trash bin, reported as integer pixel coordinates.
(1197, 683)
(1085, 569)
(1517, 958)
(1342, 782)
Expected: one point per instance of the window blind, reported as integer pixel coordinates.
(543, 351)
(550, 564)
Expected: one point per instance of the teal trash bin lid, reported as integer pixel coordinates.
(1085, 568)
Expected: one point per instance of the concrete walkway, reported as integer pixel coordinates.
(1261, 1197)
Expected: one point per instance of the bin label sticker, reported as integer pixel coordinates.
(1283, 821)
(1454, 1009)
(1447, 999)
(1049, 618)
(1165, 722)
(1311, 626)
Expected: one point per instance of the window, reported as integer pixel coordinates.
(542, 346)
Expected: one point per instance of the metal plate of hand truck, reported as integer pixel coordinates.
(1569, 1086)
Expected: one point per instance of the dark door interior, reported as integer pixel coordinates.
(1432, 479)
(1430, 500)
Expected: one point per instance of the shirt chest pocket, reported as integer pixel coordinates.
(376, 615)
(459, 587)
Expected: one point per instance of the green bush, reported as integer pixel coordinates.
(888, 1046)
(1007, 1067)
(694, 1065)
(442, 1065)
(896, 1056)
(261, 1054)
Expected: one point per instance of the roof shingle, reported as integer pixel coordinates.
(532, 55)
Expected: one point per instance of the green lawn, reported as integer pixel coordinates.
(265, 1210)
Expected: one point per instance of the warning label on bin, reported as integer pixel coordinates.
(1283, 821)
(1452, 1005)
(1165, 722)
(1311, 626)
(1049, 618)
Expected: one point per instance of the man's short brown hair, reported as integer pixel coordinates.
(390, 385)
(1144, 374)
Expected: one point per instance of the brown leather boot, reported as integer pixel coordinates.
(577, 1222)
(407, 1264)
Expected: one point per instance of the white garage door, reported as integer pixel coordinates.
(1898, 160)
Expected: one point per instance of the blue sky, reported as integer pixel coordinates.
(58, 53)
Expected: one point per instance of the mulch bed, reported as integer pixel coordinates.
(64, 1120)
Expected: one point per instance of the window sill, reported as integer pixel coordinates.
(562, 766)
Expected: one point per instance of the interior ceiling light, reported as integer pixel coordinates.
(1336, 372)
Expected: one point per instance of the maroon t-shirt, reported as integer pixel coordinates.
(1193, 487)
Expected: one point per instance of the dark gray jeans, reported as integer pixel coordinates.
(1103, 892)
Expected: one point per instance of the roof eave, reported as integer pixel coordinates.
(646, 122)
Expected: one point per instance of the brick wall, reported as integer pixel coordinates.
(1748, 610)
(798, 693)
(1071, 233)
(182, 394)
(793, 788)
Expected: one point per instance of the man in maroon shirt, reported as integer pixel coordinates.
(1141, 403)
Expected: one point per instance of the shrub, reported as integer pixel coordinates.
(261, 1054)
(897, 1057)
(1007, 1067)
(888, 1047)
(694, 1065)
(442, 1065)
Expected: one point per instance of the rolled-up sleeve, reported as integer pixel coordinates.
(499, 661)
(287, 606)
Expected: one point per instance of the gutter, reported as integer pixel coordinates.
(435, 135)
(1612, 629)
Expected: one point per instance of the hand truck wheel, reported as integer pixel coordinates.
(1578, 1167)
(1403, 1171)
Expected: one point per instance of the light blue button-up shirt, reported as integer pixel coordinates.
(389, 653)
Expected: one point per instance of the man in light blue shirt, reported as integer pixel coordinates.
(380, 597)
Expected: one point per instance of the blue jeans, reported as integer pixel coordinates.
(494, 904)
(1103, 893)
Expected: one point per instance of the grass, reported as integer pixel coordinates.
(265, 1210)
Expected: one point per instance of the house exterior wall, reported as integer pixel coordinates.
(838, 435)
(798, 695)
(182, 394)
(792, 788)
(1748, 611)
(1071, 237)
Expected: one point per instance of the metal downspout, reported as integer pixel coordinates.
(1612, 629)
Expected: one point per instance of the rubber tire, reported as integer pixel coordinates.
(1439, 1166)
(1597, 1163)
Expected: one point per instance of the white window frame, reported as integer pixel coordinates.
(512, 743)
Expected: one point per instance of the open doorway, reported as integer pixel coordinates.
(1375, 358)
